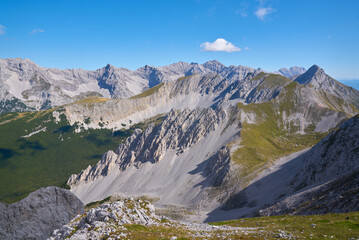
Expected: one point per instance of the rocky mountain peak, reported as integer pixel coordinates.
(214, 66)
(292, 72)
(109, 68)
(314, 75)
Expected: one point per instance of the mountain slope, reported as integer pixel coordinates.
(168, 161)
(280, 117)
(39, 149)
(319, 180)
(327, 179)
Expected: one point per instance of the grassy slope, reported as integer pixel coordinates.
(268, 140)
(270, 80)
(329, 226)
(49, 157)
(148, 92)
(340, 226)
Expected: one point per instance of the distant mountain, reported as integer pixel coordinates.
(27, 86)
(291, 72)
(319, 80)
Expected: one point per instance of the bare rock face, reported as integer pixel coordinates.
(179, 131)
(37, 215)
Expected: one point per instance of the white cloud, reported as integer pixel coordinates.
(220, 45)
(2, 29)
(261, 13)
(37, 30)
(246, 48)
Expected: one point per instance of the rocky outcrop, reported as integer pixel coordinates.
(116, 219)
(101, 220)
(37, 215)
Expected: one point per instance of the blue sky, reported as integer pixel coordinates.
(269, 33)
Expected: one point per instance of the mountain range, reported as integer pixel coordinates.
(28, 86)
(223, 142)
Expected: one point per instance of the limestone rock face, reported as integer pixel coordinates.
(37, 215)
(179, 131)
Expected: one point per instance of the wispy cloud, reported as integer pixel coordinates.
(220, 45)
(246, 48)
(261, 13)
(2, 29)
(242, 11)
(36, 30)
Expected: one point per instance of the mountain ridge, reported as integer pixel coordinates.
(40, 88)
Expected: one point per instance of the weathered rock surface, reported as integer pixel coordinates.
(37, 215)
(108, 219)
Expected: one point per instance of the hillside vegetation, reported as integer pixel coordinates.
(35, 151)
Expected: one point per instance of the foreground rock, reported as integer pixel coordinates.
(121, 220)
(37, 215)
